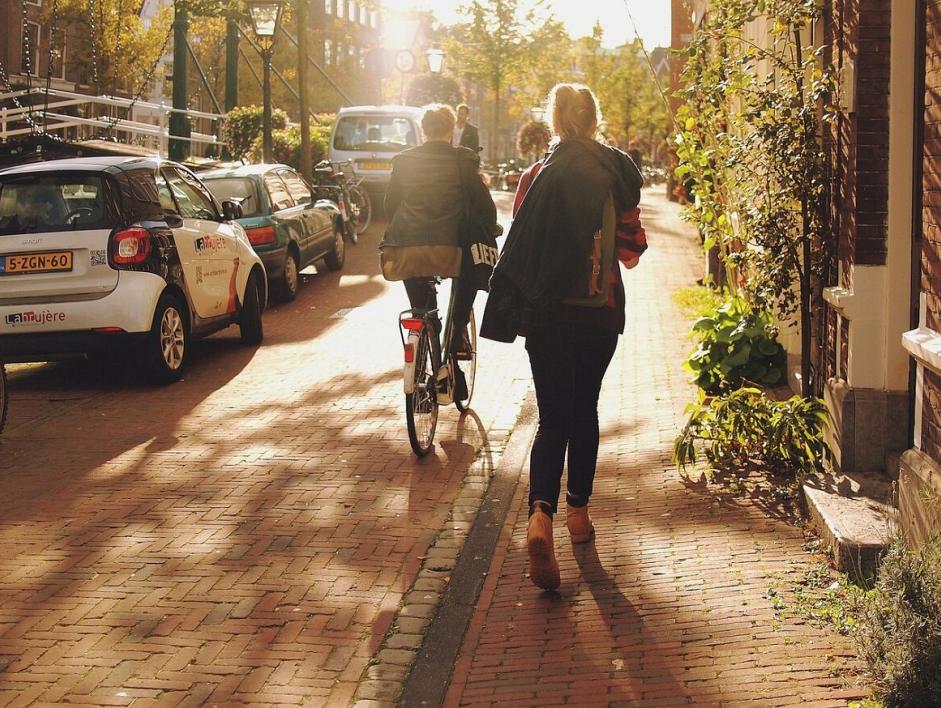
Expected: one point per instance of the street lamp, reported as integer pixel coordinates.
(265, 16)
(435, 57)
(537, 113)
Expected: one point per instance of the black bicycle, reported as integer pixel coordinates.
(346, 191)
(430, 377)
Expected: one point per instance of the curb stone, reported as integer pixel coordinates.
(395, 659)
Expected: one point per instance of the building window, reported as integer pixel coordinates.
(57, 54)
(328, 7)
(31, 49)
(339, 57)
(374, 19)
(341, 9)
(328, 52)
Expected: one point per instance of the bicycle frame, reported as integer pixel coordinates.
(412, 321)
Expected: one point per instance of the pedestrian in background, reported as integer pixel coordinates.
(465, 132)
(558, 284)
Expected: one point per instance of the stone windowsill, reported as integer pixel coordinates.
(838, 298)
(924, 345)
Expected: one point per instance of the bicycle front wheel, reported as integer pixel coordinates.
(467, 362)
(421, 406)
(362, 209)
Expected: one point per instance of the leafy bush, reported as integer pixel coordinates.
(738, 345)
(899, 633)
(243, 125)
(747, 430)
(286, 145)
(433, 88)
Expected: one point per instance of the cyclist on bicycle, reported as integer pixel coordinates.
(425, 204)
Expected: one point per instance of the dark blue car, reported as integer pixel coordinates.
(287, 225)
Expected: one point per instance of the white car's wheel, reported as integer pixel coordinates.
(167, 344)
(250, 325)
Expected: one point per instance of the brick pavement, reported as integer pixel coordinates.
(670, 604)
(245, 535)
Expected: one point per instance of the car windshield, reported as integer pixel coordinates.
(240, 189)
(390, 133)
(53, 201)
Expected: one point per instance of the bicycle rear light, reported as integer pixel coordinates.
(409, 353)
(412, 324)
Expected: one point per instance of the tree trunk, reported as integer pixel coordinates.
(303, 87)
(497, 83)
(805, 308)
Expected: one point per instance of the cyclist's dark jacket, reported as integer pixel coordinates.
(551, 236)
(425, 204)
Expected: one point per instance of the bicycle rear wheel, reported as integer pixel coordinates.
(362, 209)
(421, 407)
(467, 361)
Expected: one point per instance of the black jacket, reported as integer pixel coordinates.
(424, 200)
(550, 238)
(470, 138)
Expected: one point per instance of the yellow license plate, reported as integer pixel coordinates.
(48, 262)
(376, 165)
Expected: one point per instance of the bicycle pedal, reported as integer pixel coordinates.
(444, 395)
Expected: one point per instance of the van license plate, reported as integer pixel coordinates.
(375, 165)
(48, 262)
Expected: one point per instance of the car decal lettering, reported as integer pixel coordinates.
(33, 317)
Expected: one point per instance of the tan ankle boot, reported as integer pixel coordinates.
(579, 523)
(543, 566)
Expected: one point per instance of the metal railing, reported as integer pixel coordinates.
(26, 117)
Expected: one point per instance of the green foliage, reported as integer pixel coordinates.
(745, 430)
(243, 125)
(433, 88)
(532, 139)
(697, 300)
(286, 145)
(738, 345)
(900, 626)
(750, 152)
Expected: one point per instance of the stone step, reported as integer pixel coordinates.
(855, 516)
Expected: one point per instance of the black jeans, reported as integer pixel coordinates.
(568, 366)
(421, 295)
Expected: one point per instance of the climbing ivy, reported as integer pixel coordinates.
(756, 105)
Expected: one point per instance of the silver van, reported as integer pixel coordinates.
(370, 136)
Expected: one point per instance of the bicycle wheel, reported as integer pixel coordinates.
(467, 361)
(421, 407)
(3, 397)
(361, 209)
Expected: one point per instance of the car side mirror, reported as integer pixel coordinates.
(174, 220)
(231, 210)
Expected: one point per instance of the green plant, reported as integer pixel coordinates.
(242, 126)
(747, 430)
(899, 634)
(696, 301)
(737, 346)
(749, 148)
(286, 146)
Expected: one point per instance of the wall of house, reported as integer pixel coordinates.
(871, 207)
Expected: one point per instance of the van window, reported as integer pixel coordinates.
(54, 201)
(391, 133)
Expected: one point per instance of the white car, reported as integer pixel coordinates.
(370, 136)
(102, 253)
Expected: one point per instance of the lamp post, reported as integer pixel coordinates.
(435, 57)
(265, 16)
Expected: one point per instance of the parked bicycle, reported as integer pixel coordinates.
(337, 183)
(429, 375)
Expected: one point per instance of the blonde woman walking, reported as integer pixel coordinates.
(558, 284)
